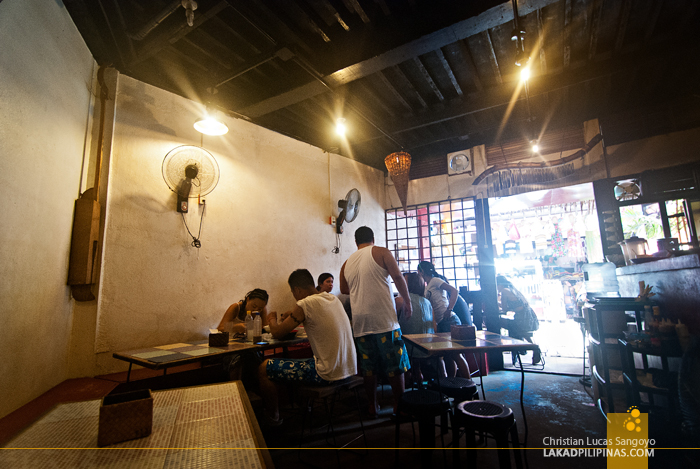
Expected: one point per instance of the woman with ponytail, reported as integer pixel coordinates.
(443, 297)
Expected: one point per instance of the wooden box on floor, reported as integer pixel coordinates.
(125, 416)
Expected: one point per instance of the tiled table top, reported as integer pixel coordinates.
(199, 427)
(436, 344)
(164, 356)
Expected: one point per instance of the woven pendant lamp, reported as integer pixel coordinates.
(399, 164)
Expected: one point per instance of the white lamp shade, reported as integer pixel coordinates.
(210, 126)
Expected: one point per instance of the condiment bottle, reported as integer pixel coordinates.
(249, 326)
(257, 325)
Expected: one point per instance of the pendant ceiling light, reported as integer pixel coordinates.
(209, 125)
(399, 165)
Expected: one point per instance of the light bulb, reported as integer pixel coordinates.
(535, 148)
(525, 74)
(210, 126)
(340, 127)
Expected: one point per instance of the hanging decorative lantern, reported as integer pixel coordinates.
(399, 164)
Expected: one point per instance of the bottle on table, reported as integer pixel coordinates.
(249, 326)
(257, 325)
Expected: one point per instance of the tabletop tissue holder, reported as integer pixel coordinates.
(463, 332)
(125, 416)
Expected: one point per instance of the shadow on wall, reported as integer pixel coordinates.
(137, 108)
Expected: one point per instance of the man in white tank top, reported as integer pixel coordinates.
(380, 349)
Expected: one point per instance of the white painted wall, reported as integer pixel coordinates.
(267, 216)
(45, 75)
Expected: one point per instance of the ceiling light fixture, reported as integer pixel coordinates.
(209, 125)
(340, 127)
(525, 73)
(535, 146)
(518, 36)
(399, 165)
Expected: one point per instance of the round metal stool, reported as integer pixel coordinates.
(489, 417)
(459, 389)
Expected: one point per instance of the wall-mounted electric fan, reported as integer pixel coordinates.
(349, 208)
(628, 189)
(190, 171)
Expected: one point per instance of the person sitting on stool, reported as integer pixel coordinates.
(525, 319)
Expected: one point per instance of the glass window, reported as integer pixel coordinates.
(443, 233)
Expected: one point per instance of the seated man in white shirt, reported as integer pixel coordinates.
(330, 336)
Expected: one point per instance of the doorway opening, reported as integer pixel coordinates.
(542, 241)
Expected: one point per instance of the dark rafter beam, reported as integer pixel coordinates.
(373, 98)
(542, 42)
(159, 43)
(448, 71)
(567, 33)
(407, 84)
(426, 76)
(358, 9)
(393, 91)
(595, 28)
(495, 16)
(491, 53)
(469, 63)
(622, 25)
(501, 95)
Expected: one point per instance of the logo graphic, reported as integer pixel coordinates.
(629, 446)
(632, 423)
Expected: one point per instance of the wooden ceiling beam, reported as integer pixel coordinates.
(164, 40)
(596, 13)
(407, 84)
(448, 71)
(397, 96)
(567, 33)
(469, 63)
(622, 25)
(426, 76)
(495, 16)
(501, 95)
(540, 35)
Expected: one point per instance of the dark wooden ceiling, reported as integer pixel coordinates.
(427, 76)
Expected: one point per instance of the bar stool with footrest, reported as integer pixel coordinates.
(423, 405)
(489, 417)
(313, 393)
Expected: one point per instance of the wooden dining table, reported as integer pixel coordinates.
(200, 427)
(162, 357)
(441, 344)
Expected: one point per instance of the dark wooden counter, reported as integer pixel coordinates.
(676, 282)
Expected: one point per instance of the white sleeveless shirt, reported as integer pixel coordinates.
(371, 299)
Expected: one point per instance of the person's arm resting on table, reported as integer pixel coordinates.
(290, 320)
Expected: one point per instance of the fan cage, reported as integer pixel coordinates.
(179, 158)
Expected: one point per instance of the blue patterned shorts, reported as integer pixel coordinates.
(289, 369)
(383, 353)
